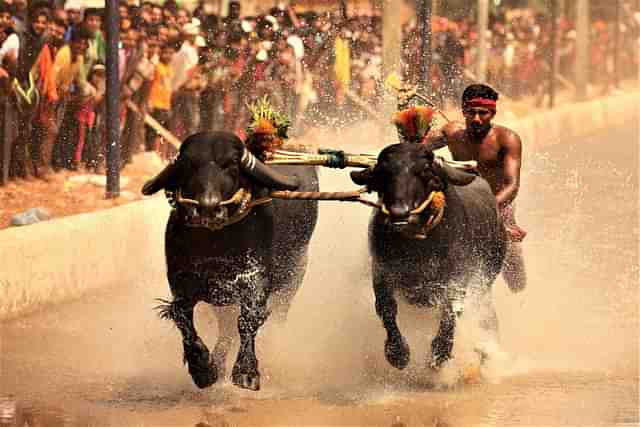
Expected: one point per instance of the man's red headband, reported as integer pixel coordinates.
(489, 104)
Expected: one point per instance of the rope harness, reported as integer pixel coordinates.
(244, 200)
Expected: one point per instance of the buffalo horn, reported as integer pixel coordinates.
(165, 179)
(362, 177)
(453, 175)
(266, 175)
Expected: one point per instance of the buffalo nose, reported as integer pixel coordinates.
(209, 201)
(399, 211)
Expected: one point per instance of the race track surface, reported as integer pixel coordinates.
(570, 339)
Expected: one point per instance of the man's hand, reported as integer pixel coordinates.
(3, 73)
(515, 233)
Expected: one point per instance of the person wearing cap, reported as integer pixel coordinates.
(74, 17)
(498, 151)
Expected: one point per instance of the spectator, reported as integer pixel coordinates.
(160, 98)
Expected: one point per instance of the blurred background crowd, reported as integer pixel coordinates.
(191, 69)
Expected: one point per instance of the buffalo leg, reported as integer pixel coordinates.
(442, 344)
(226, 317)
(487, 322)
(196, 354)
(253, 313)
(290, 278)
(396, 349)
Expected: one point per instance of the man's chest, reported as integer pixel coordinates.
(487, 153)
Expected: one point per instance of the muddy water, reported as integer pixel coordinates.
(569, 341)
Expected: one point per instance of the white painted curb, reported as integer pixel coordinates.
(62, 259)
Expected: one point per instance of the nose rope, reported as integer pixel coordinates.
(177, 198)
(437, 201)
(243, 198)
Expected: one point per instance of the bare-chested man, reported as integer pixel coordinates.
(498, 151)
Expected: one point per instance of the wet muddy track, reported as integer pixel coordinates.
(571, 337)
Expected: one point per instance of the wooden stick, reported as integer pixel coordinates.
(153, 123)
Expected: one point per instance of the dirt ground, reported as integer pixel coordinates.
(69, 193)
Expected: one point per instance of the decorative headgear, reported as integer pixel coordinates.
(268, 128)
(414, 122)
(487, 103)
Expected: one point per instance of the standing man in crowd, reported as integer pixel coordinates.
(498, 151)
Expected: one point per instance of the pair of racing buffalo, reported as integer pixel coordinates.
(225, 246)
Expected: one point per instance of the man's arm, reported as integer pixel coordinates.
(512, 149)
(438, 139)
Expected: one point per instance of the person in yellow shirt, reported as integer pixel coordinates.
(160, 98)
(74, 91)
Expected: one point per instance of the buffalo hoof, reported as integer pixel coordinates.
(439, 355)
(202, 370)
(440, 352)
(397, 352)
(249, 381)
(437, 361)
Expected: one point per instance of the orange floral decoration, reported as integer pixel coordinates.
(414, 122)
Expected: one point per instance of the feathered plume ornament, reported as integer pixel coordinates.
(268, 128)
(414, 122)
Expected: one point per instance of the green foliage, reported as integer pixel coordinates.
(262, 110)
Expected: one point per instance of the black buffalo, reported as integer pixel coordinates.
(222, 251)
(436, 263)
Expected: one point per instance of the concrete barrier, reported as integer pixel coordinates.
(62, 259)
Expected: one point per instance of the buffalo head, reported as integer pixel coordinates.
(209, 174)
(404, 177)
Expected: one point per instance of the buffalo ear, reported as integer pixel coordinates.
(167, 179)
(453, 175)
(362, 177)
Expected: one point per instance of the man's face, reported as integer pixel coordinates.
(183, 17)
(79, 47)
(234, 10)
(156, 15)
(125, 24)
(153, 46)
(123, 11)
(478, 120)
(166, 54)
(75, 17)
(163, 34)
(39, 24)
(93, 23)
(5, 20)
(56, 34)
(131, 40)
(169, 18)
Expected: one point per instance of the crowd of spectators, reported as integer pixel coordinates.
(194, 70)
